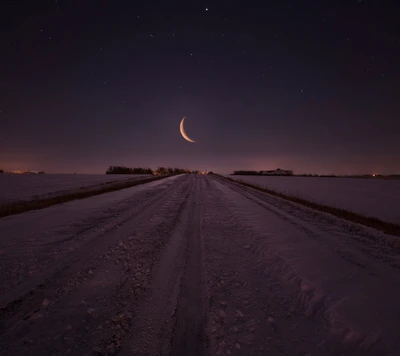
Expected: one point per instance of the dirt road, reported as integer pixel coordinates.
(194, 265)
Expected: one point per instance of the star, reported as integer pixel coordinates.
(206, 8)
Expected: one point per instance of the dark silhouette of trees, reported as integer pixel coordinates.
(161, 171)
(275, 172)
(246, 173)
(127, 170)
(1, 171)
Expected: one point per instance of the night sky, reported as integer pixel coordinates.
(311, 86)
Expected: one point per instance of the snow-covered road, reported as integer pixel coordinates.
(195, 265)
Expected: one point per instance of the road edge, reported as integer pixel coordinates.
(369, 221)
(28, 205)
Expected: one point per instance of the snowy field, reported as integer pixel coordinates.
(15, 187)
(377, 198)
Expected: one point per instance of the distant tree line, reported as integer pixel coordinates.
(161, 171)
(246, 173)
(290, 173)
(127, 170)
(274, 172)
(22, 172)
(362, 176)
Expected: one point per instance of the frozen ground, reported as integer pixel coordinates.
(194, 265)
(14, 187)
(371, 197)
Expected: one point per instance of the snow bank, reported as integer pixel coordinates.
(15, 187)
(370, 197)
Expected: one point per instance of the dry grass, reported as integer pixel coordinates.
(384, 226)
(23, 206)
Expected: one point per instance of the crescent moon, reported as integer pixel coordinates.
(183, 133)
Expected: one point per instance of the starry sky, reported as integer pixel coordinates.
(311, 86)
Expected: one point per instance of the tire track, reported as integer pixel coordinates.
(70, 248)
(164, 325)
(252, 308)
(78, 269)
(292, 246)
(189, 334)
